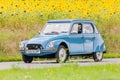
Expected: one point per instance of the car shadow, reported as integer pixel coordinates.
(54, 62)
(44, 62)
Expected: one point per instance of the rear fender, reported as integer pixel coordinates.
(100, 48)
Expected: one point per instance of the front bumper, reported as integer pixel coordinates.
(43, 50)
(41, 54)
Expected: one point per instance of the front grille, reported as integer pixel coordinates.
(34, 46)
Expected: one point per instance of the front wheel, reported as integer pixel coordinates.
(62, 54)
(27, 59)
(98, 56)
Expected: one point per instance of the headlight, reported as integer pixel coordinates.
(51, 44)
(21, 45)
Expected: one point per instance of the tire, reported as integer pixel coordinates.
(27, 59)
(98, 56)
(62, 54)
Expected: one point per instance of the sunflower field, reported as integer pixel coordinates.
(42, 10)
(22, 19)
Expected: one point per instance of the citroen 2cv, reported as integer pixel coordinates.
(63, 38)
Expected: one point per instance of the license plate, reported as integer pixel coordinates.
(33, 51)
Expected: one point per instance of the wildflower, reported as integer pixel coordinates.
(1, 12)
(24, 11)
(16, 5)
(69, 11)
(12, 14)
(2, 7)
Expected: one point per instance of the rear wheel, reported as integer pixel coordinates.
(62, 54)
(27, 59)
(98, 56)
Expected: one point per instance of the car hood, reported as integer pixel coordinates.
(39, 39)
(44, 38)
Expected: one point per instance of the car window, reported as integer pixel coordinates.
(87, 28)
(56, 28)
(77, 28)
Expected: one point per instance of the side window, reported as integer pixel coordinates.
(77, 28)
(87, 28)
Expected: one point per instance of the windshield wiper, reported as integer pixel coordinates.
(51, 33)
(47, 33)
(64, 32)
(54, 32)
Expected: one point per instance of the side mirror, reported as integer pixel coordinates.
(39, 32)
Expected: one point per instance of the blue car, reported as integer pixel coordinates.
(63, 38)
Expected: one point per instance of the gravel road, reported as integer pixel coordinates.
(52, 63)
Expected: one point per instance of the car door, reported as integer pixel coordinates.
(76, 39)
(89, 37)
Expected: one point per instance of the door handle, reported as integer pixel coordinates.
(93, 37)
(81, 36)
(90, 37)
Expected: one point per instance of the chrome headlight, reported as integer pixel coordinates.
(51, 44)
(22, 45)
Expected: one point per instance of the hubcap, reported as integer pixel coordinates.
(99, 55)
(62, 54)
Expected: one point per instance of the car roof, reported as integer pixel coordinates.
(69, 20)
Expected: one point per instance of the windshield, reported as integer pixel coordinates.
(56, 28)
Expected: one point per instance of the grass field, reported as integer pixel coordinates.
(23, 19)
(10, 58)
(65, 72)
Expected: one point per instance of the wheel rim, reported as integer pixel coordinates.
(99, 55)
(62, 55)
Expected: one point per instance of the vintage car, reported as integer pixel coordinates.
(63, 38)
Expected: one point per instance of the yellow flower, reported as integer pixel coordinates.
(78, 8)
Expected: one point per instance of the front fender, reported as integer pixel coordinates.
(57, 44)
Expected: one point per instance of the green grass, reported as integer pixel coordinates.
(10, 58)
(112, 55)
(65, 72)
